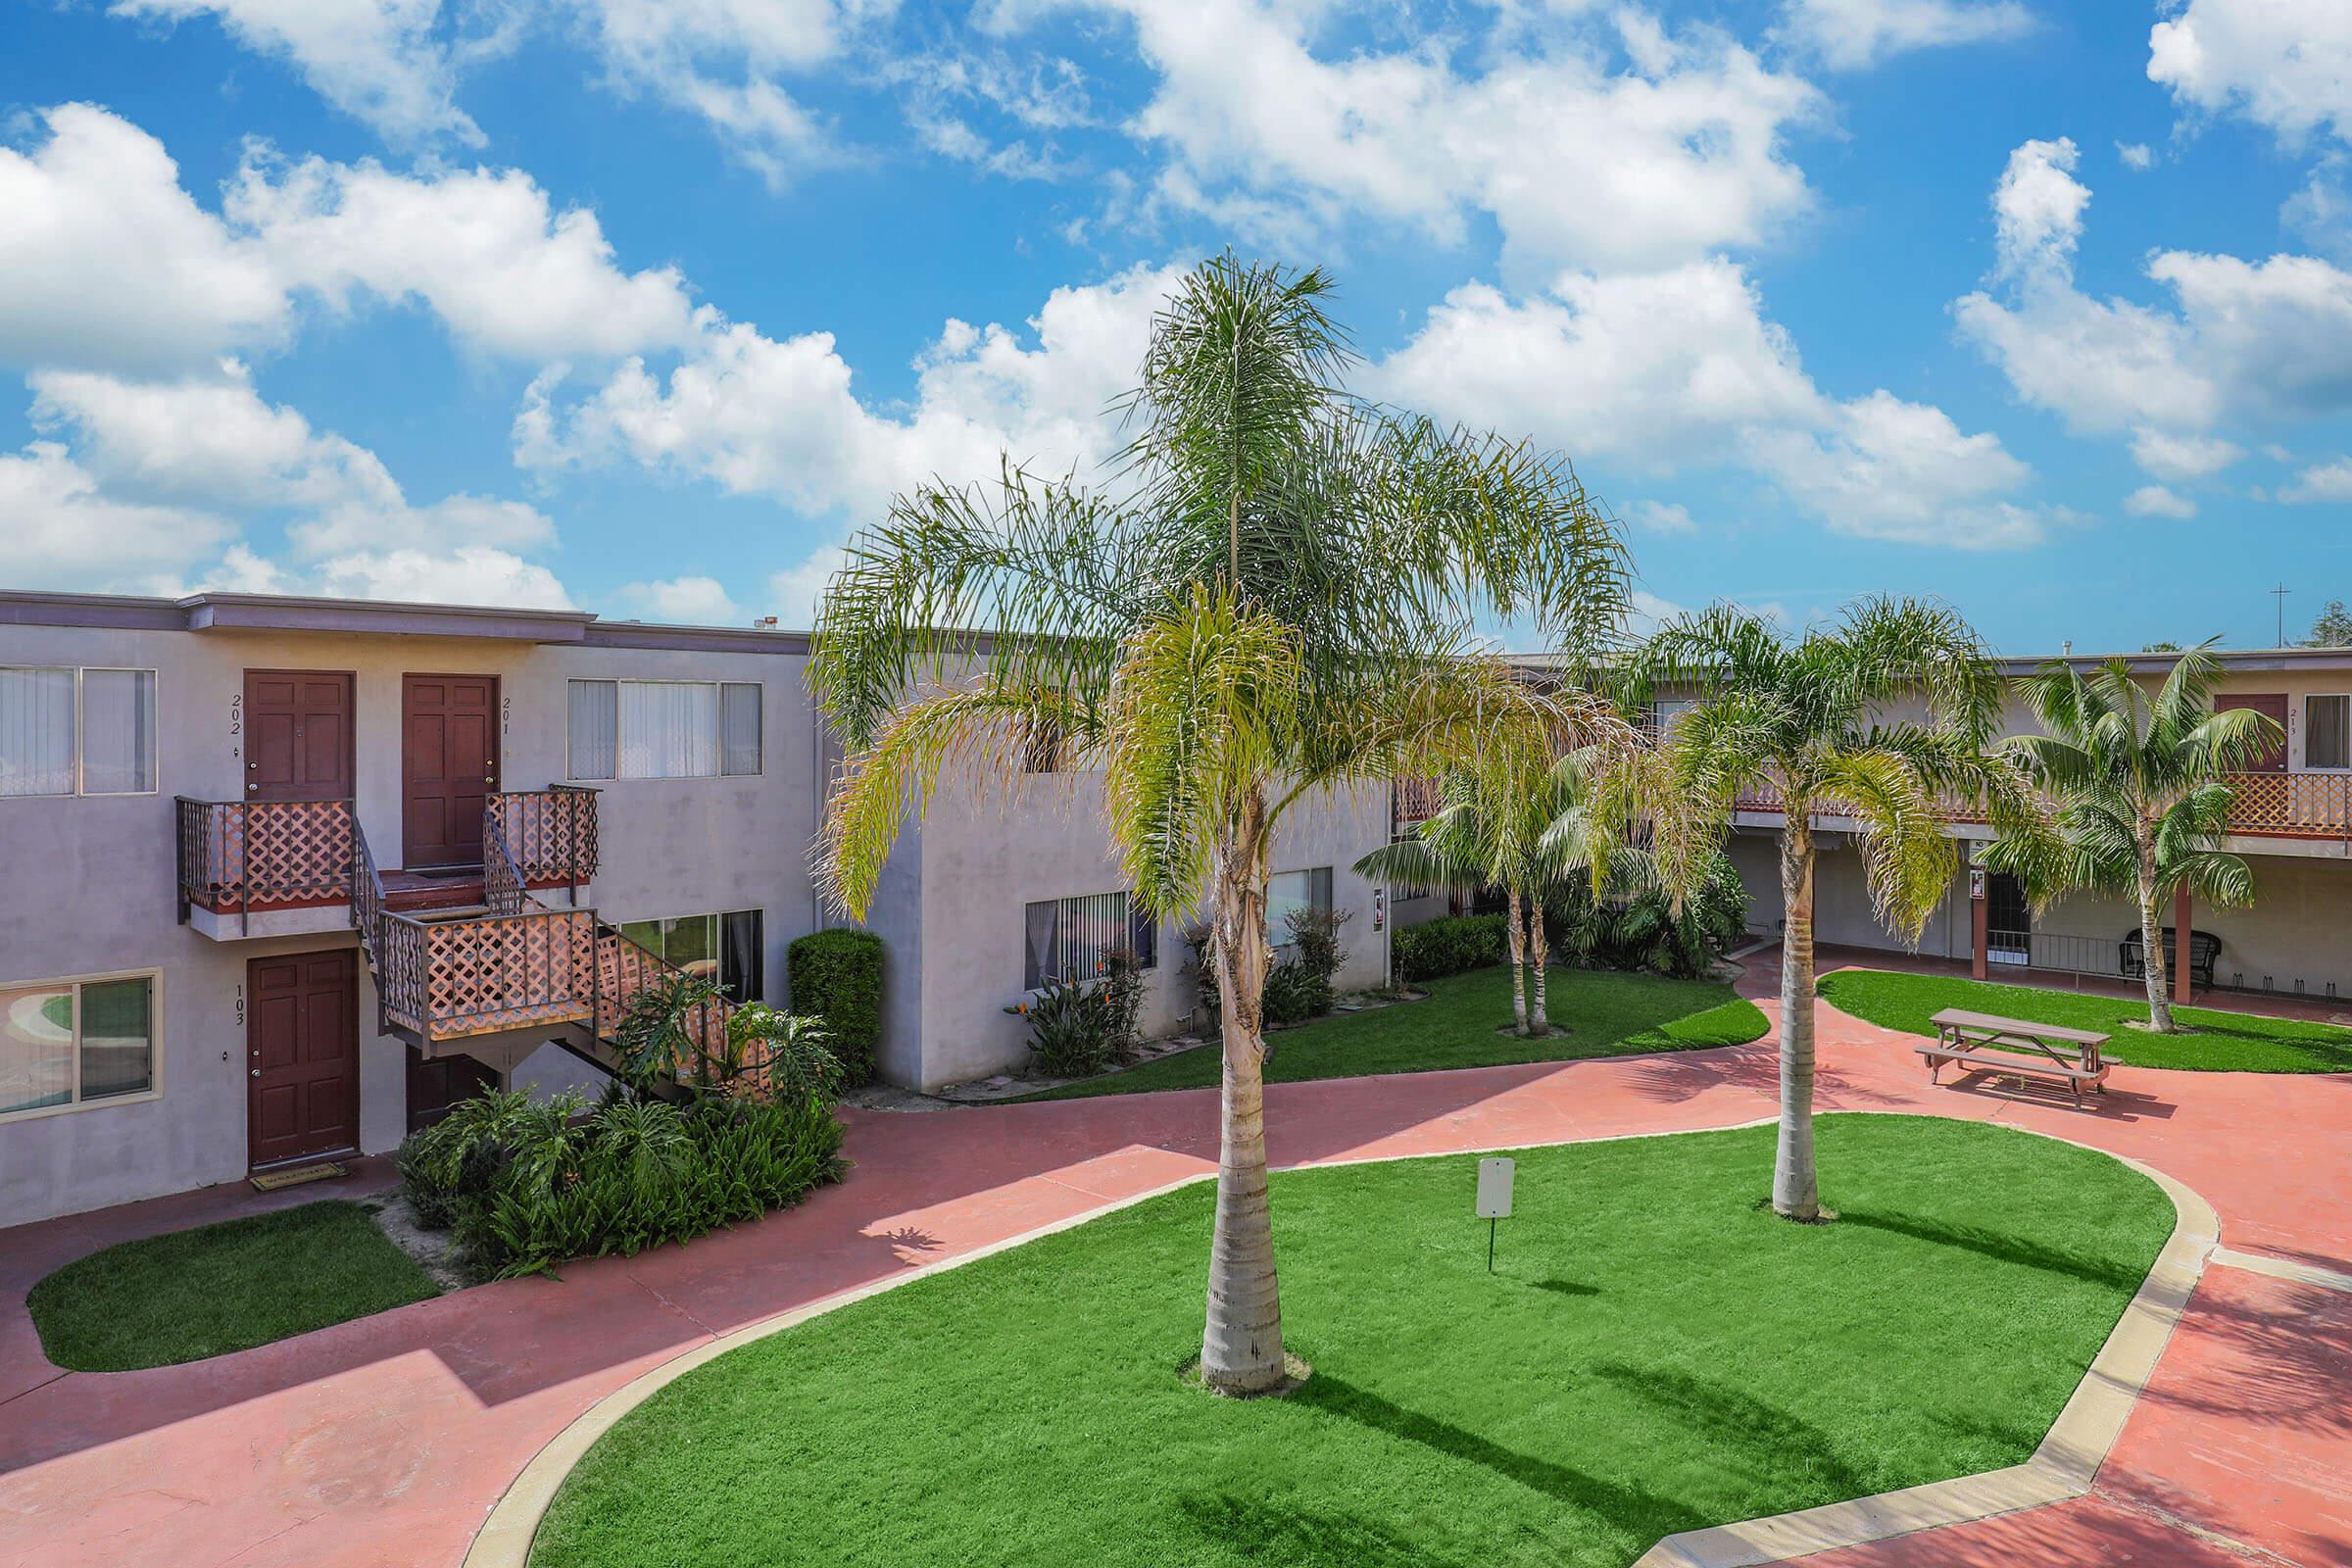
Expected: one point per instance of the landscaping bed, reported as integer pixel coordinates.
(192, 1294)
(2220, 1042)
(1653, 1352)
(1607, 1014)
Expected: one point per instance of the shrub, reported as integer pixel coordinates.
(1077, 1028)
(837, 977)
(1643, 931)
(1449, 945)
(526, 1184)
(1298, 988)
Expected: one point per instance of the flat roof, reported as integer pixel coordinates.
(238, 611)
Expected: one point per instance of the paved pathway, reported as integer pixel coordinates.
(385, 1441)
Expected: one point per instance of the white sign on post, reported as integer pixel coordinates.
(1494, 1189)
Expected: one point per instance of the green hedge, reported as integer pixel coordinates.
(837, 977)
(1449, 945)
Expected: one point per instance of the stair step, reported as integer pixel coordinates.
(411, 892)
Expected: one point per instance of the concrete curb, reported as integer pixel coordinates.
(2061, 1468)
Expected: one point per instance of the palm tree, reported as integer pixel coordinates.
(1812, 718)
(2141, 785)
(1521, 820)
(1271, 599)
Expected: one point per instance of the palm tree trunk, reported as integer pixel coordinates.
(2151, 942)
(1518, 945)
(1241, 1343)
(1795, 1185)
(1538, 957)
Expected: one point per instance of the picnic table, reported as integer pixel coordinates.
(1984, 1042)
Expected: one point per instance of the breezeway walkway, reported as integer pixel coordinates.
(385, 1441)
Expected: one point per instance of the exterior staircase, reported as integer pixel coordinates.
(513, 964)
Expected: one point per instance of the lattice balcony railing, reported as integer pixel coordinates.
(2262, 805)
(552, 833)
(236, 856)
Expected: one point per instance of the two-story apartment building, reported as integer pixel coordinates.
(2291, 819)
(286, 878)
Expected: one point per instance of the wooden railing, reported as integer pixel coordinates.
(1412, 802)
(551, 834)
(236, 856)
(2296, 806)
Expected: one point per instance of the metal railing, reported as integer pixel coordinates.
(551, 834)
(236, 857)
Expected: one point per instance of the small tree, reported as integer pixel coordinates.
(2142, 791)
(2333, 628)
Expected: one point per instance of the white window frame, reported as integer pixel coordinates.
(80, 791)
(718, 932)
(155, 1036)
(2303, 716)
(719, 688)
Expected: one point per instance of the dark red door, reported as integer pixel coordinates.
(302, 1036)
(2274, 703)
(435, 1086)
(447, 767)
(297, 735)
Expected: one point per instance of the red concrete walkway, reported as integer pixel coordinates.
(385, 1441)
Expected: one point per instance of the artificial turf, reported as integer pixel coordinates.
(1653, 1352)
(2219, 1042)
(192, 1294)
(1606, 1014)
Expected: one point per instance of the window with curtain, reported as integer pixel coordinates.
(663, 729)
(2328, 731)
(75, 1043)
(729, 948)
(45, 749)
(1287, 890)
(1067, 939)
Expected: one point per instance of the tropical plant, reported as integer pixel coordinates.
(2333, 629)
(1273, 597)
(1527, 821)
(1638, 925)
(1072, 1031)
(1448, 944)
(2141, 784)
(787, 1055)
(1813, 717)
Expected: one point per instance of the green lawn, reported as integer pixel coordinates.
(229, 1286)
(1653, 1353)
(1609, 1014)
(2224, 1042)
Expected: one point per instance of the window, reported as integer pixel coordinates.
(1067, 939)
(68, 731)
(730, 948)
(663, 729)
(2327, 732)
(75, 1042)
(1287, 890)
(1665, 713)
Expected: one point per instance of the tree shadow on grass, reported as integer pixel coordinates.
(1637, 1513)
(2004, 1248)
(1255, 1529)
(1565, 1286)
(1735, 1421)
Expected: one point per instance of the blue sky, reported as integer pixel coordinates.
(644, 306)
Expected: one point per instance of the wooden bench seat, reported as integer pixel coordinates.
(1982, 1042)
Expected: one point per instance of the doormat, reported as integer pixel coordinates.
(270, 1181)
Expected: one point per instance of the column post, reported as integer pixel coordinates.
(1979, 923)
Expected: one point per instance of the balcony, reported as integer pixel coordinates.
(2314, 808)
(253, 868)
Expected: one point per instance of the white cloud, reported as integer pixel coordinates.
(105, 261)
(1664, 516)
(797, 593)
(781, 418)
(484, 248)
(377, 60)
(1850, 34)
(469, 574)
(2183, 457)
(2322, 483)
(2155, 501)
(2240, 338)
(1891, 470)
(2136, 156)
(1651, 368)
(1604, 147)
(2283, 63)
(1681, 369)
(65, 532)
(688, 601)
